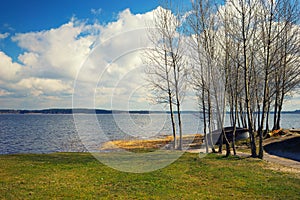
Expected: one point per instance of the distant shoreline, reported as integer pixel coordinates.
(102, 111)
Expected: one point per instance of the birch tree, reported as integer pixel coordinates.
(166, 64)
(210, 69)
(287, 68)
(201, 43)
(242, 29)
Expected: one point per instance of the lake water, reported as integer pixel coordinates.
(59, 133)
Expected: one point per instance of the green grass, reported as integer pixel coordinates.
(81, 176)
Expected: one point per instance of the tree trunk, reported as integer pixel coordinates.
(210, 122)
(176, 74)
(277, 92)
(180, 126)
(204, 117)
(172, 120)
(170, 103)
(247, 95)
(267, 66)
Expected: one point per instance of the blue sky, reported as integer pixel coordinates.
(34, 15)
(20, 16)
(65, 53)
(45, 47)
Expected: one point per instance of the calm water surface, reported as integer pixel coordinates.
(59, 133)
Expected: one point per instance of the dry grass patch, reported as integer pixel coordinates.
(193, 141)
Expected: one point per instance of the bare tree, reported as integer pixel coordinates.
(245, 53)
(258, 61)
(202, 41)
(241, 29)
(232, 67)
(274, 24)
(287, 67)
(211, 68)
(166, 64)
(267, 54)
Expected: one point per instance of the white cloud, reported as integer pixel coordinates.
(96, 11)
(4, 92)
(47, 69)
(37, 86)
(29, 59)
(49, 65)
(9, 70)
(3, 35)
(115, 62)
(126, 22)
(45, 72)
(56, 52)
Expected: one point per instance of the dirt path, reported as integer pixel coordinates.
(282, 164)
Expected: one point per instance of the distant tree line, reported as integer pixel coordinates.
(74, 111)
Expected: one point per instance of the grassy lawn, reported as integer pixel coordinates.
(81, 176)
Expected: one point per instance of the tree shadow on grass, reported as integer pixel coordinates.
(289, 148)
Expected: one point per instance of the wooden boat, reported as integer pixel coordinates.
(240, 134)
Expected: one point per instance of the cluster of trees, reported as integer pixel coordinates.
(242, 56)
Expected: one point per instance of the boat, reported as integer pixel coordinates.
(240, 134)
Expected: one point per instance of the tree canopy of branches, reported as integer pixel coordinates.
(166, 64)
(257, 61)
(244, 58)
